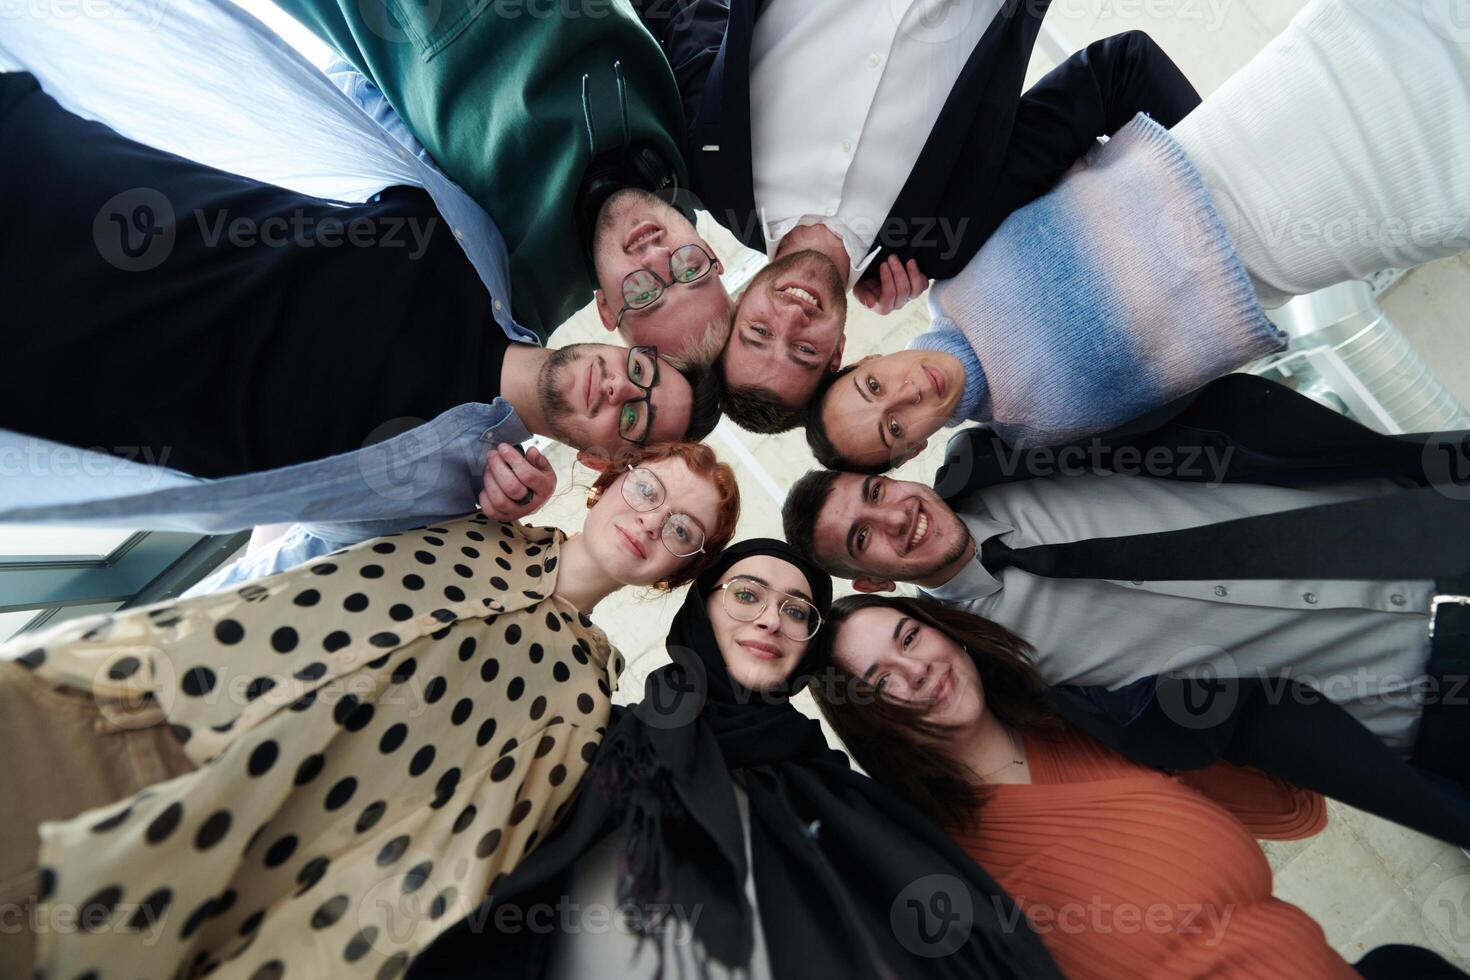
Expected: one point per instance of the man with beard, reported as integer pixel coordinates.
(658, 279)
(923, 143)
(279, 328)
(1241, 532)
(600, 399)
(542, 113)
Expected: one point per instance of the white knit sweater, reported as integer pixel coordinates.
(1343, 148)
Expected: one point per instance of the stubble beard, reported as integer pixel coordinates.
(962, 542)
(556, 408)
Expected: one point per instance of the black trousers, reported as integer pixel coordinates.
(1406, 963)
(155, 307)
(1444, 731)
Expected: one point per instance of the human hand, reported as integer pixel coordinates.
(515, 485)
(896, 284)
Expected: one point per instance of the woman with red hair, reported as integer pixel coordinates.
(311, 773)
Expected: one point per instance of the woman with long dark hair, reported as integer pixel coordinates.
(1123, 870)
(719, 832)
(303, 776)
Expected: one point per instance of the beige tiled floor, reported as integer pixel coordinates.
(1366, 881)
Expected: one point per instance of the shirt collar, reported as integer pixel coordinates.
(851, 240)
(972, 581)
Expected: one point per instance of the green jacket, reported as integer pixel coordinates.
(494, 91)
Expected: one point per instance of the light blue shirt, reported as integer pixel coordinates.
(428, 474)
(292, 127)
(473, 228)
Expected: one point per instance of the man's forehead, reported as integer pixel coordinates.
(840, 507)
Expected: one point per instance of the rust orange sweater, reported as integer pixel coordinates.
(1125, 872)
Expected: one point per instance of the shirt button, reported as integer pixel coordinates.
(847, 146)
(1310, 597)
(831, 212)
(1137, 583)
(459, 234)
(874, 60)
(498, 306)
(1397, 599)
(1220, 590)
(488, 435)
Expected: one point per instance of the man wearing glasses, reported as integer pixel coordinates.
(594, 397)
(658, 280)
(563, 124)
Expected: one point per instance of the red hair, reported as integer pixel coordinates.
(703, 463)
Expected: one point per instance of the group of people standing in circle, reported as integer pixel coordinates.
(385, 742)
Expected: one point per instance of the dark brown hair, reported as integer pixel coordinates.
(892, 741)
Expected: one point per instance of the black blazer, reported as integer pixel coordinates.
(1284, 729)
(1256, 430)
(1265, 433)
(992, 150)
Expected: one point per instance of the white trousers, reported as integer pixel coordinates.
(1343, 148)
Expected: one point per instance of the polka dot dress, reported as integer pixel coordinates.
(380, 734)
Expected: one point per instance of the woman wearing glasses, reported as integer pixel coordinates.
(718, 835)
(313, 773)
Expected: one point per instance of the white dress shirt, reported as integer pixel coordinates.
(844, 95)
(1362, 644)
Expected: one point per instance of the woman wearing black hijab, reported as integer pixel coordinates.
(727, 834)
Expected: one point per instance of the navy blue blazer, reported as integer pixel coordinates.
(993, 149)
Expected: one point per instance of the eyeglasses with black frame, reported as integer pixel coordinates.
(746, 599)
(643, 287)
(635, 418)
(644, 492)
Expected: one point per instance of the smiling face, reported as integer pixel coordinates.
(889, 530)
(637, 230)
(912, 662)
(628, 544)
(788, 328)
(589, 399)
(757, 654)
(884, 410)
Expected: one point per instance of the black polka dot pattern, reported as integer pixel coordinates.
(355, 683)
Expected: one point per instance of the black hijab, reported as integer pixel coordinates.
(847, 877)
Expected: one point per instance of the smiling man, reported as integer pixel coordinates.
(876, 531)
(1117, 574)
(892, 138)
(600, 399)
(658, 279)
(787, 336)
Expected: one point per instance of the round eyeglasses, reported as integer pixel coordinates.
(645, 492)
(746, 599)
(643, 287)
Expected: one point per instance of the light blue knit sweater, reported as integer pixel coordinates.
(1115, 293)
